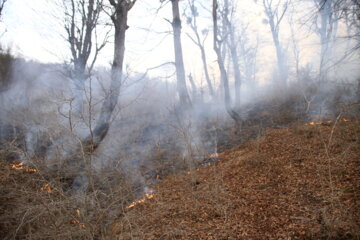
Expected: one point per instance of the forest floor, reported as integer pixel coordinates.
(301, 182)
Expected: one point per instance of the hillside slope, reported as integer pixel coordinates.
(297, 183)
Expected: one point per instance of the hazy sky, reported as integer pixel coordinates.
(34, 29)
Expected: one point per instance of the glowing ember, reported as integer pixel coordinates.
(214, 155)
(22, 166)
(326, 122)
(146, 197)
(74, 221)
(18, 166)
(46, 188)
(319, 123)
(77, 222)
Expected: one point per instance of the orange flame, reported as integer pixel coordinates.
(146, 197)
(319, 123)
(77, 222)
(326, 122)
(18, 166)
(46, 188)
(22, 166)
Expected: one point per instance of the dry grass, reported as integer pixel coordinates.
(40, 205)
(296, 185)
(299, 182)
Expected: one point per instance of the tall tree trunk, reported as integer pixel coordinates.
(281, 67)
(236, 65)
(103, 124)
(179, 61)
(206, 71)
(275, 16)
(229, 29)
(223, 74)
(325, 32)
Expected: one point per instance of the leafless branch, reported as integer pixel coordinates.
(2, 4)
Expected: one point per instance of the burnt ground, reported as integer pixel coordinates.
(301, 182)
(297, 182)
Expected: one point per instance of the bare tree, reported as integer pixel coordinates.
(295, 45)
(326, 29)
(229, 28)
(88, 144)
(349, 12)
(119, 19)
(219, 39)
(248, 55)
(179, 60)
(81, 21)
(200, 43)
(275, 12)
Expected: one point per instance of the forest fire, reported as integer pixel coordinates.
(46, 188)
(147, 196)
(313, 123)
(77, 222)
(22, 166)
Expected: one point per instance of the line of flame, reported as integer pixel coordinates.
(22, 166)
(328, 122)
(146, 197)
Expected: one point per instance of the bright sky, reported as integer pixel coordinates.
(34, 30)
